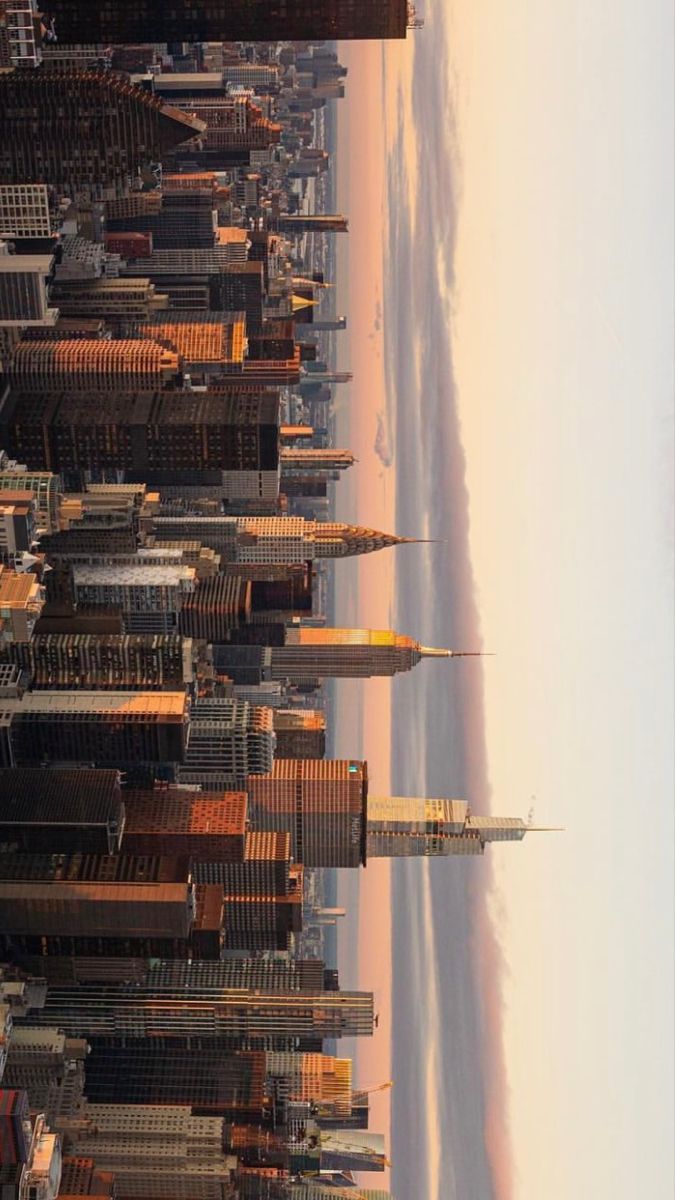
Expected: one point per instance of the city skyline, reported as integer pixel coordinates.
(225, 928)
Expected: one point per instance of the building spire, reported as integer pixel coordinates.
(431, 652)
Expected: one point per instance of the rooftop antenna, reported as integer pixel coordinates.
(432, 652)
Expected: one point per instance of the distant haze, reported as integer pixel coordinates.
(521, 380)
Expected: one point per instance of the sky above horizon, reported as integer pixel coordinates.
(508, 279)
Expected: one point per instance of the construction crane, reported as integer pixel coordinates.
(353, 1097)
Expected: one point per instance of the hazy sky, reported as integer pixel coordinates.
(509, 183)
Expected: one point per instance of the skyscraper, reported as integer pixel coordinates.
(333, 822)
(24, 211)
(107, 728)
(320, 803)
(57, 901)
(20, 34)
(45, 487)
(149, 597)
(50, 1067)
(126, 21)
(154, 437)
(300, 733)
(185, 220)
(54, 811)
(22, 599)
(106, 662)
(84, 364)
(119, 299)
(233, 124)
(229, 739)
(83, 131)
(316, 653)
(209, 826)
(207, 343)
(23, 289)
(404, 826)
(260, 1187)
(215, 607)
(231, 1015)
(263, 869)
(209, 1081)
(312, 458)
(275, 539)
(311, 223)
(161, 1149)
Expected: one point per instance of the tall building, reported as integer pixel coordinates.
(404, 826)
(300, 733)
(312, 458)
(263, 869)
(14, 1127)
(318, 653)
(81, 1177)
(229, 740)
(18, 529)
(186, 220)
(106, 662)
(24, 210)
(22, 599)
(320, 803)
(235, 488)
(78, 903)
(20, 34)
(61, 811)
(266, 371)
(118, 299)
(233, 1015)
(298, 223)
(216, 607)
(106, 728)
(235, 125)
(45, 487)
(263, 923)
(275, 539)
(207, 343)
(240, 287)
(315, 1078)
(83, 131)
(213, 1081)
(84, 365)
(162, 1149)
(149, 598)
(154, 437)
(182, 260)
(24, 299)
(332, 821)
(50, 1067)
(179, 84)
(129, 244)
(126, 21)
(328, 325)
(256, 1186)
(209, 826)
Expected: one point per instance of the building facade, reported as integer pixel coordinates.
(84, 131)
(126, 21)
(24, 209)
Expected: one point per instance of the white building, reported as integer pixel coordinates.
(24, 211)
(20, 34)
